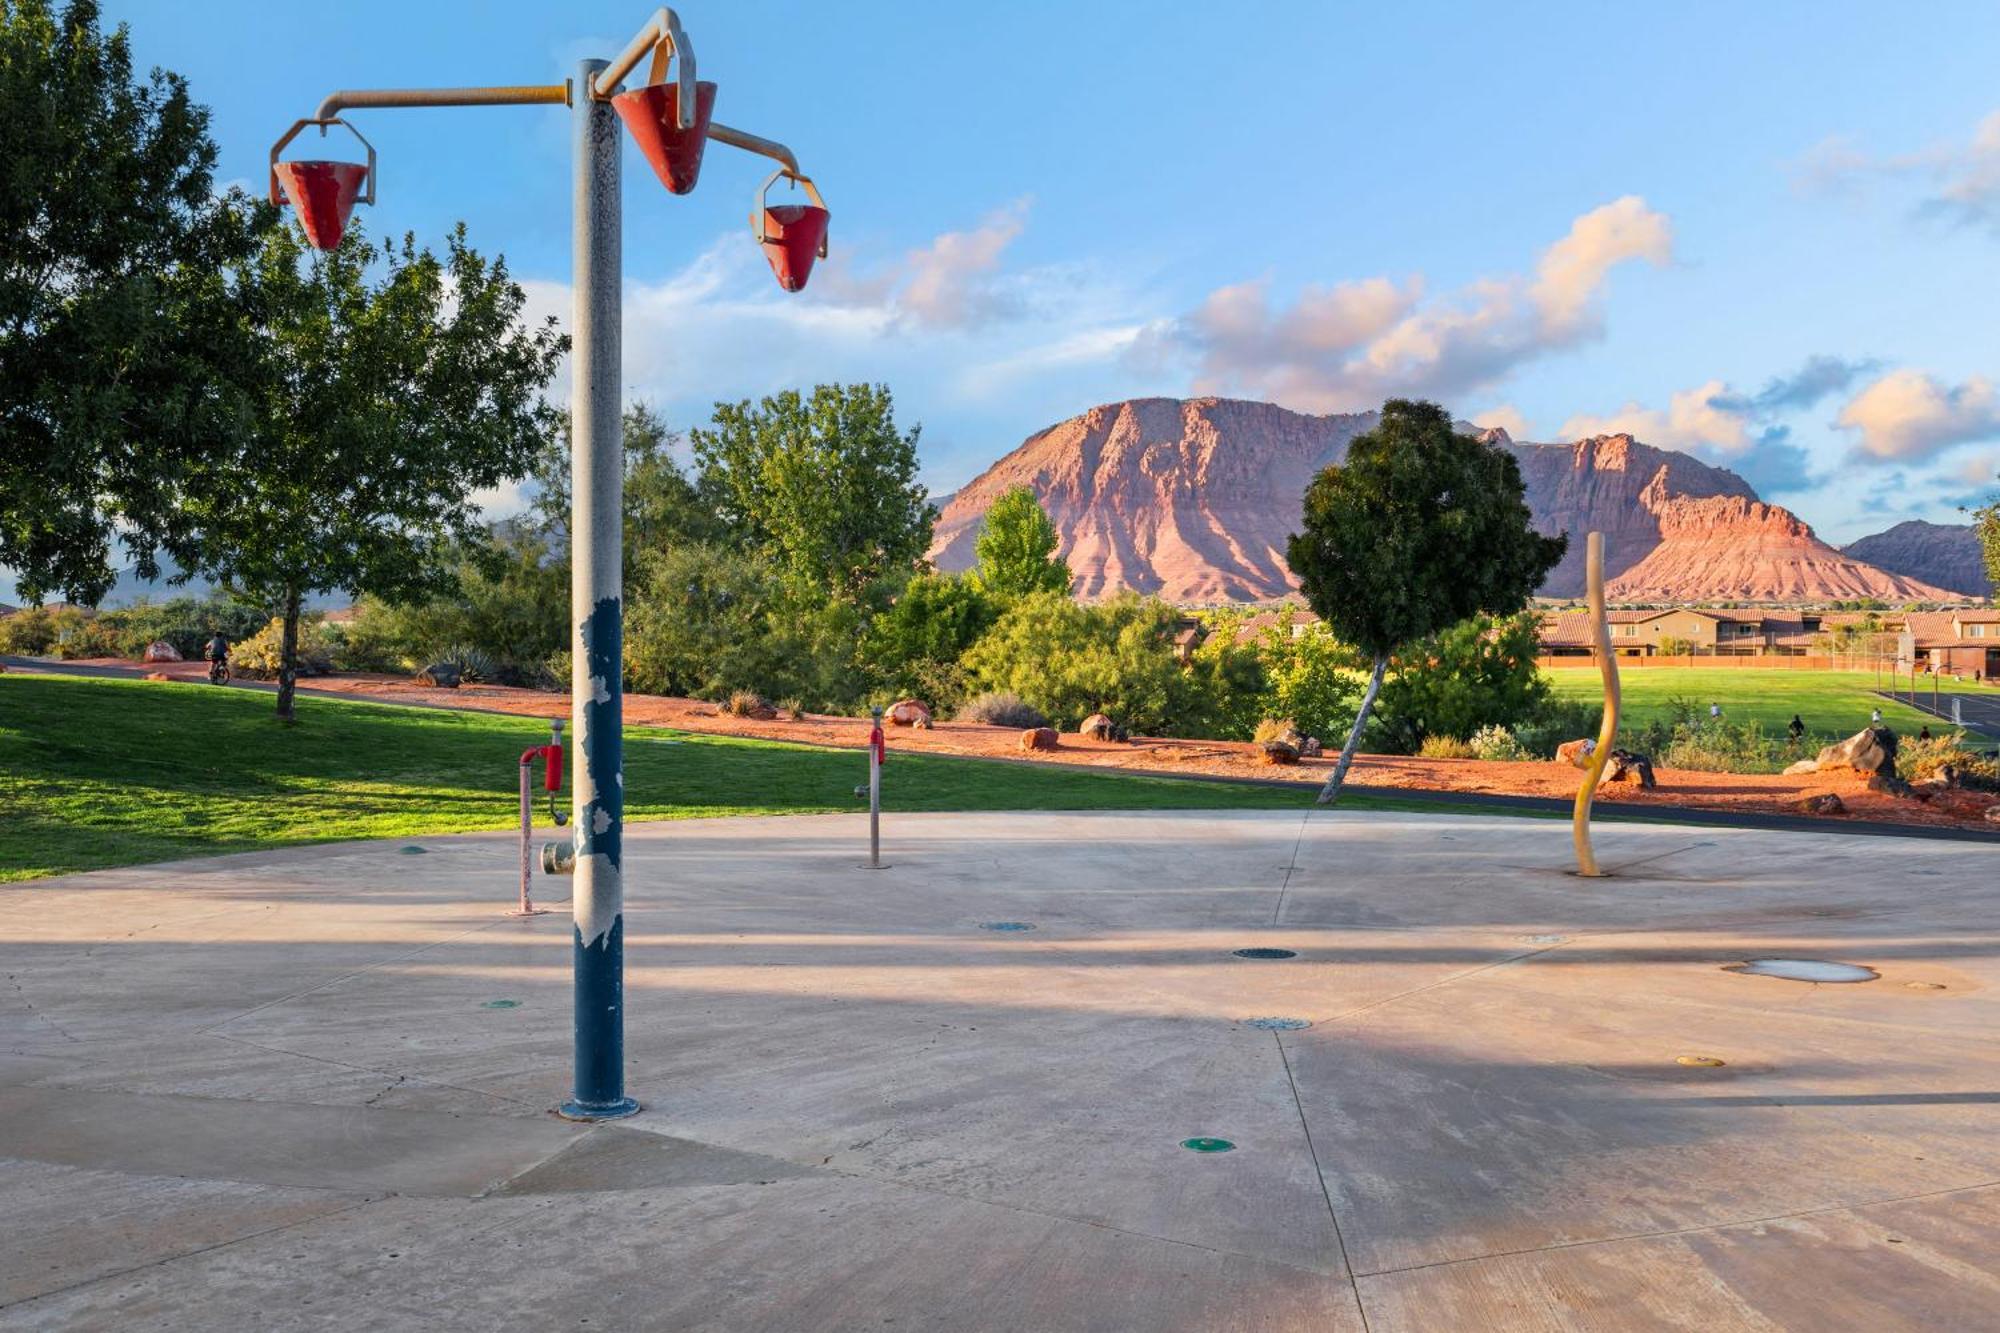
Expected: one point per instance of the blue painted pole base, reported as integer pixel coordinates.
(617, 1110)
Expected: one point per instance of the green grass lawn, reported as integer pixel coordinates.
(97, 772)
(1829, 702)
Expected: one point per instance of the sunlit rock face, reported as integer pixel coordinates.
(1193, 500)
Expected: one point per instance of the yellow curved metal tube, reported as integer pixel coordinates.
(1607, 664)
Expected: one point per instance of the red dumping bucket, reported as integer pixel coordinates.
(794, 235)
(652, 114)
(324, 194)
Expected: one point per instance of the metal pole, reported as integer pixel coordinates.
(596, 610)
(875, 793)
(527, 835)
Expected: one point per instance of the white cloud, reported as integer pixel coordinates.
(1349, 346)
(1508, 418)
(1964, 177)
(1907, 415)
(1691, 422)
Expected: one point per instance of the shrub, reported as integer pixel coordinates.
(1721, 747)
(260, 655)
(748, 703)
(1309, 677)
(29, 632)
(1444, 747)
(793, 709)
(1002, 708)
(1276, 729)
(80, 634)
(1918, 760)
(1479, 673)
(553, 673)
(1497, 743)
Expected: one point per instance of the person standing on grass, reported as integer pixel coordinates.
(1715, 712)
(1797, 727)
(1875, 718)
(1924, 733)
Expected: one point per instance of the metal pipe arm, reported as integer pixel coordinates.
(770, 148)
(665, 38)
(525, 94)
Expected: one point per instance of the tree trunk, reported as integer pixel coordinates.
(288, 658)
(1331, 791)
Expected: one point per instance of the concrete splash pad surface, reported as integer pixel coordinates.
(268, 1091)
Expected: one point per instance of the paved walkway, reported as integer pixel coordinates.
(308, 1089)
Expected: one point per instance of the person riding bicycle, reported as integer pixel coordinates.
(217, 654)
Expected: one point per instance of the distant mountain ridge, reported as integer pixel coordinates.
(1193, 500)
(1947, 554)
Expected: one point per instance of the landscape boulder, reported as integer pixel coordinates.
(1803, 767)
(1278, 752)
(910, 713)
(1309, 748)
(161, 651)
(1625, 766)
(1576, 753)
(1098, 727)
(1992, 815)
(440, 675)
(158, 675)
(1826, 803)
(1040, 738)
(1870, 750)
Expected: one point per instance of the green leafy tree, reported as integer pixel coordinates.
(826, 483)
(117, 332)
(1419, 529)
(1986, 522)
(1478, 673)
(915, 645)
(664, 507)
(1016, 548)
(1070, 660)
(382, 405)
(1309, 676)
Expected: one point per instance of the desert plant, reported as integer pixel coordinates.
(1276, 729)
(793, 709)
(1721, 747)
(748, 703)
(475, 666)
(1496, 742)
(553, 674)
(1444, 747)
(1002, 708)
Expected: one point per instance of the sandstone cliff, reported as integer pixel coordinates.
(1194, 499)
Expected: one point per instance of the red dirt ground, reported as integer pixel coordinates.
(1758, 793)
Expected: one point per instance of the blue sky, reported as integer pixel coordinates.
(1763, 234)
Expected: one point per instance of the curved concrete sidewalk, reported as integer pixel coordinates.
(275, 1090)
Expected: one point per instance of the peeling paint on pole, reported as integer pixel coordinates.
(596, 575)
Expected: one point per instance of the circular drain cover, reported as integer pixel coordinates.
(1698, 1061)
(1208, 1145)
(1277, 1024)
(501, 1004)
(413, 851)
(1803, 969)
(1266, 953)
(1005, 926)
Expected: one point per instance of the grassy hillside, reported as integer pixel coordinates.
(1829, 702)
(100, 773)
